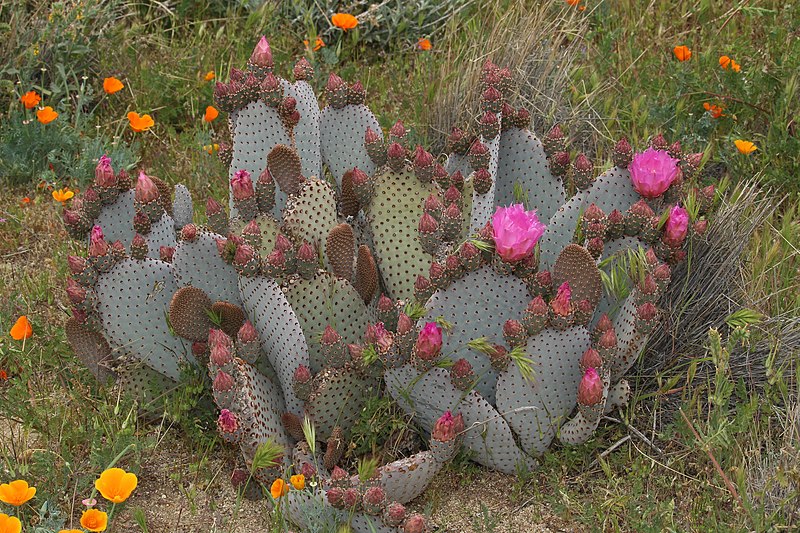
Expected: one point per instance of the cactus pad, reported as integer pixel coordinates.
(337, 400)
(284, 165)
(311, 215)
(342, 139)
(197, 263)
(405, 479)
(91, 348)
(182, 209)
(116, 219)
(188, 313)
(576, 266)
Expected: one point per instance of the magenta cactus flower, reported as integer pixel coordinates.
(262, 54)
(97, 244)
(227, 421)
(590, 389)
(104, 174)
(653, 171)
(561, 303)
(677, 224)
(429, 341)
(146, 190)
(515, 232)
(242, 185)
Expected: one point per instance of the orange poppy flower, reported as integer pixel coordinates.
(318, 43)
(344, 21)
(209, 75)
(745, 147)
(140, 123)
(713, 109)
(211, 148)
(682, 53)
(573, 2)
(62, 195)
(112, 85)
(728, 63)
(25, 201)
(30, 99)
(94, 520)
(3, 375)
(298, 481)
(424, 44)
(211, 114)
(116, 485)
(279, 488)
(10, 524)
(46, 115)
(17, 492)
(21, 329)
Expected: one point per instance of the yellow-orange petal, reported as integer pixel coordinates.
(116, 485)
(21, 329)
(279, 488)
(745, 147)
(94, 520)
(210, 114)
(209, 75)
(10, 524)
(344, 21)
(682, 53)
(424, 44)
(112, 85)
(724, 61)
(298, 481)
(17, 492)
(62, 195)
(30, 99)
(46, 115)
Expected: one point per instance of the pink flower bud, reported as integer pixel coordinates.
(307, 253)
(432, 204)
(561, 303)
(213, 207)
(330, 337)
(76, 264)
(97, 244)
(189, 232)
(422, 159)
(247, 333)
(71, 217)
(591, 359)
(227, 421)
(590, 389)
(537, 306)
(608, 339)
(677, 225)
(662, 272)
(396, 151)
(75, 292)
(165, 253)
(404, 324)
(603, 323)
(334, 83)
(262, 54)
(652, 172)
(146, 190)
(415, 524)
(244, 254)
(282, 243)
(199, 348)
(447, 427)
(429, 341)
(515, 232)
(371, 136)
(302, 374)
(242, 185)
(647, 311)
(104, 174)
(452, 195)
(398, 130)
(427, 224)
(223, 382)
(700, 226)
(593, 213)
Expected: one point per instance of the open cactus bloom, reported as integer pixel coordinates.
(297, 299)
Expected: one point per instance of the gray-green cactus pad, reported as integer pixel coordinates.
(132, 302)
(182, 209)
(629, 341)
(313, 513)
(116, 219)
(478, 305)
(269, 231)
(618, 395)
(312, 213)
(426, 397)
(162, 233)
(522, 160)
(91, 348)
(306, 132)
(342, 139)
(611, 190)
(578, 429)
(394, 214)
(483, 204)
(338, 397)
(257, 129)
(281, 337)
(458, 162)
(197, 263)
(405, 479)
(259, 410)
(327, 300)
(535, 409)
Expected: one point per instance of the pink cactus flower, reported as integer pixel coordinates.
(652, 172)
(242, 185)
(146, 190)
(429, 341)
(97, 244)
(590, 390)
(677, 225)
(227, 421)
(515, 232)
(262, 54)
(448, 427)
(104, 174)
(561, 303)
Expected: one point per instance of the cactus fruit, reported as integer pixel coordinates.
(473, 307)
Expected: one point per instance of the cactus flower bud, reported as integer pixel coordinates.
(262, 54)
(447, 427)
(213, 207)
(223, 382)
(608, 340)
(559, 163)
(242, 185)
(622, 154)
(97, 244)
(422, 158)
(515, 232)
(429, 341)
(394, 514)
(677, 226)
(76, 264)
(659, 142)
(700, 227)
(432, 205)
(457, 141)
(398, 130)
(165, 253)
(652, 172)
(415, 524)
(371, 136)
(189, 232)
(303, 70)
(373, 500)
(590, 359)
(478, 155)
(396, 151)
(227, 421)
(104, 174)
(146, 190)
(461, 374)
(330, 337)
(247, 333)
(674, 150)
(307, 253)
(582, 172)
(220, 354)
(302, 374)
(647, 311)
(554, 141)
(71, 217)
(561, 304)
(75, 292)
(590, 389)
(404, 324)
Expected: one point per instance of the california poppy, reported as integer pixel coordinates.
(140, 123)
(728, 63)
(573, 2)
(211, 114)
(3, 375)
(424, 45)
(10, 524)
(112, 85)
(25, 201)
(21, 329)
(16, 493)
(30, 99)
(46, 115)
(713, 109)
(116, 485)
(298, 481)
(745, 147)
(318, 43)
(344, 21)
(94, 520)
(62, 195)
(211, 148)
(279, 488)
(682, 53)
(209, 75)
